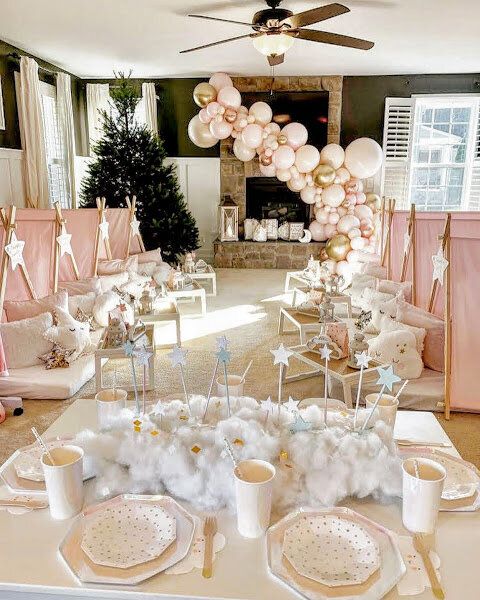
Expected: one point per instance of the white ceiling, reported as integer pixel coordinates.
(91, 38)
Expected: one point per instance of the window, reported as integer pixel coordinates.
(57, 174)
(432, 152)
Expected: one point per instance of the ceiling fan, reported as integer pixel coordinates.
(275, 30)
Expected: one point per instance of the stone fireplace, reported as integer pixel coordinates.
(234, 174)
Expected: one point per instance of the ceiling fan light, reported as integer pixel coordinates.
(273, 44)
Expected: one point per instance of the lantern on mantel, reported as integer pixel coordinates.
(228, 220)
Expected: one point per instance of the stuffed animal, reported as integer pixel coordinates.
(69, 334)
(399, 349)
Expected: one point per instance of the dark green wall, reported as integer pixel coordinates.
(10, 137)
(363, 100)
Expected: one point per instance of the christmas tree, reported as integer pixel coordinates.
(129, 160)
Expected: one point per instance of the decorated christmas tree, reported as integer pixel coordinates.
(129, 160)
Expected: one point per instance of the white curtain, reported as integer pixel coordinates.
(32, 135)
(67, 131)
(98, 96)
(149, 99)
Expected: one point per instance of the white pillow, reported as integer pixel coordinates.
(161, 273)
(83, 302)
(389, 325)
(403, 288)
(358, 285)
(23, 340)
(107, 302)
(374, 270)
(397, 348)
(147, 268)
(107, 282)
(382, 311)
(16, 310)
(70, 334)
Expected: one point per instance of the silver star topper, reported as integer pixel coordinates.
(64, 241)
(143, 356)
(362, 359)
(267, 404)
(15, 251)
(222, 343)
(325, 352)
(281, 355)
(440, 264)
(178, 356)
(387, 377)
(291, 405)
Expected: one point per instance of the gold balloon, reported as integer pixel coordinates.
(203, 94)
(338, 247)
(230, 115)
(373, 201)
(323, 255)
(282, 139)
(324, 175)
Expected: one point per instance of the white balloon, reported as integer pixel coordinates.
(308, 195)
(296, 184)
(361, 211)
(268, 170)
(363, 158)
(347, 223)
(283, 174)
(333, 154)
(261, 112)
(307, 158)
(220, 80)
(353, 233)
(333, 195)
(358, 243)
(343, 175)
(317, 231)
(241, 151)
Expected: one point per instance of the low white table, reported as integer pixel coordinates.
(192, 292)
(338, 298)
(208, 275)
(166, 311)
(295, 275)
(31, 567)
(305, 324)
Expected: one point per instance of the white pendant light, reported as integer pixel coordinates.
(273, 44)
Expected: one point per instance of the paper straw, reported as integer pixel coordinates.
(357, 402)
(229, 450)
(246, 370)
(135, 391)
(226, 388)
(43, 445)
(143, 388)
(401, 389)
(325, 408)
(280, 377)
(363, 427)
(210, 389)
(115, 381)
(415, 466)
(182, 377)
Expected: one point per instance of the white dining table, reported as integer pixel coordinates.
(31, 567)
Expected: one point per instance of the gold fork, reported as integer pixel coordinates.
(209, 530)
(432, 575)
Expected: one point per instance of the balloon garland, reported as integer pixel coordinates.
(330, 179)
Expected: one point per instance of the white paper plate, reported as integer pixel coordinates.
(331, 550)
(128, 534)
(28, 465)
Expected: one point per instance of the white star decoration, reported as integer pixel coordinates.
(387, 377)
(406, 242)
(103, 226)
(362, 359)
(178, 356)
(15, 251)
(64, 241)
(135, 225)
(281, 355)
(440, 264)
(143, 356)
(325, 352)
(267, 404)
(291, 405)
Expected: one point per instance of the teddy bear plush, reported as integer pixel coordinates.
(69, 334)
(399, 349)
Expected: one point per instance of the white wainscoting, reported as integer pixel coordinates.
(199, 180)
(11, 180)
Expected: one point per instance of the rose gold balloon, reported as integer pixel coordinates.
(323, 175)
(367, 230)
(265, 160)
(230, 115)
(338, 247)
(282, 139)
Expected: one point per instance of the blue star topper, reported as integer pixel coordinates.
(129, 347)
(223, 355)
(387, 377)
(299, 424)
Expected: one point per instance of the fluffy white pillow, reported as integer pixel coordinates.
(358, 285)
(382, 312)
(160, 275)
(419, 332)
(23, 340)
(397, 348)
(107, 302)
(83, 302)
(70, 334)
(24, 309)
(147, 269)
(402, 289)
(107, 282)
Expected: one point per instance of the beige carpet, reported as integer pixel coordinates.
(246, 310)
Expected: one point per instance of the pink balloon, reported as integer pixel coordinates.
(332, 154)
(363, 212)
(333, 218)
(296, 184)
(212, 109)
(241, 151)
(342, 211)
(297, 135)
(342, 175)
(283, 174)
(204, 116)
(361, 198)
(353, 233)
(344, 269)
(252, 135)
(283, 157)
(333, 195)
(268, 170)
(308, 194)
(317, 231)
(261, 112)
(220, 129)
(229, 96)
(363, 158)
(347, 223)
(358, 243)
(220, 80)
(321, 216)
(307, 158)
(330, 230)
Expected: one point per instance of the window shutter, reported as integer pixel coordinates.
(396, 149)
(474, 198)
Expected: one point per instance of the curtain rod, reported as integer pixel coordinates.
(17, 57)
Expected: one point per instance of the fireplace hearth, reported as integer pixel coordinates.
(269, 198)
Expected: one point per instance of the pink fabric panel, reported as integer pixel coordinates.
(82, 224)
(119, 219)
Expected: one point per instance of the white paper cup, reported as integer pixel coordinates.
(422, 495)
(109, 403)
(64, 481)
(254, 496)
(387, 407)
(235, 386)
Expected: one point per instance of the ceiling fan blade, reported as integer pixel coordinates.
(315, 15)
(221, 20)
(274, 60)
(238, 37)
(325, 37)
